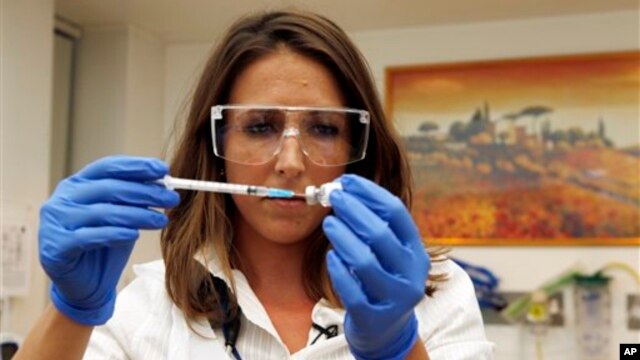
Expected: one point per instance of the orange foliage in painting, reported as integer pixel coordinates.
(612, 171)
(563, 212)
(473, 206)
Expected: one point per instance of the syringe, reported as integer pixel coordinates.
(228, 188)
(313, 195)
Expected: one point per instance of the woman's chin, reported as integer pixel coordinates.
(287, 232)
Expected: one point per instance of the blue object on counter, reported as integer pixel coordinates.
(485, 284)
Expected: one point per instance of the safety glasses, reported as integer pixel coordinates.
(254, 134)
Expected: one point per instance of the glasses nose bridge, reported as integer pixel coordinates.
(291, 128)
(292, 123)
(291, 131)
(293, 119)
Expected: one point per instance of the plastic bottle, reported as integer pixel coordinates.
(593, 315)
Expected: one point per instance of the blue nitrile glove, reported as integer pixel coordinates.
(89, 226)
(378, 267)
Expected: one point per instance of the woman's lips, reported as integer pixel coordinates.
(287, 203)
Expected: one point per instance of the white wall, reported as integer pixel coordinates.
(61, 107)
(145, 94)
(118, 106)
(520, 268)
(183, 63)
(100, 89)
(26, 55)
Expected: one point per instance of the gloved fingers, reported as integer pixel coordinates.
(120, 239)
(375, 232)
(73, 217)
(65, 246)
(125, 168)
(118, 191)
(386, 205)
(347, 286)
(391, 209)
(376, 282)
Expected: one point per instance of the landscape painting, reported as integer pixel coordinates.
(540, 151)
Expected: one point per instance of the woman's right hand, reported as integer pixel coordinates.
(89, 226)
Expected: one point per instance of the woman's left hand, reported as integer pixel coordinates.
(378, 267)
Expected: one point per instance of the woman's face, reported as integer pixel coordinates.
(287, 79)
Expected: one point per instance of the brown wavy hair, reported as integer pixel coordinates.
(202, 220)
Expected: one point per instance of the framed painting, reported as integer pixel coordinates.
(538, 151)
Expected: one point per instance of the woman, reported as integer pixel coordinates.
(284, 101)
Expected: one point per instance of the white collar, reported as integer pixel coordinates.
(322, 313)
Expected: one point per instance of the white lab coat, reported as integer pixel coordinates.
(147, 325)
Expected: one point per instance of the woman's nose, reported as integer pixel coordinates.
(290, 158)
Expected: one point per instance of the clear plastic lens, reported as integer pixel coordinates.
(253, 134)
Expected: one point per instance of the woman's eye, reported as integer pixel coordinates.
(323, 130)
(260, 123)
(259, 128)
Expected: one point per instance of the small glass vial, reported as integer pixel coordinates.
(320, 195)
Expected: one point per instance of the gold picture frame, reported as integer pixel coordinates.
(536, 151)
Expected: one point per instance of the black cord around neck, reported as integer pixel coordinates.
(329, 332)
(231, 321)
